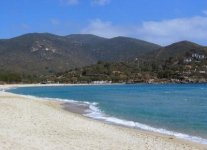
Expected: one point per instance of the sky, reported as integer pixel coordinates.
(158, 21)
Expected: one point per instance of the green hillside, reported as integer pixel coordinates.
(44, 53)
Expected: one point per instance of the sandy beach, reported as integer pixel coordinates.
(27, 124)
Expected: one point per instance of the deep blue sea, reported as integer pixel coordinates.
(173, 109)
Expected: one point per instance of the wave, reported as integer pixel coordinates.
(95, 112)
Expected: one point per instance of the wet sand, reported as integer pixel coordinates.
(71, 107)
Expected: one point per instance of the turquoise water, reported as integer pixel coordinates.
(174, 109)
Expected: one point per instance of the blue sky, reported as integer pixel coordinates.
(159, 21)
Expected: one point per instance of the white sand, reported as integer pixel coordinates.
(35, 124)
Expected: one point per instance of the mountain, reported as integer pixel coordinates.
(123, 48)
(44, 53)
(178, 50)
(84, 58)
(181, 62)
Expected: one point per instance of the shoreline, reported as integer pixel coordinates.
(60, 107)
(83, 109)
(80, 113)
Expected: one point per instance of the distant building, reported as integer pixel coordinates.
(202, 72)
(101, 82)
(198, 56)
(187, 60)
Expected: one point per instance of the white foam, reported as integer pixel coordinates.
(96, 113)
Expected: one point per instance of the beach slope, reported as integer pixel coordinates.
(27, 123)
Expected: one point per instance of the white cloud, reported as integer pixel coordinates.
(104, 29)
(100, 2)
(70, 2)
(161, 32)
(168, 31)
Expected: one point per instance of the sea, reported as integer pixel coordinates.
(179, 110)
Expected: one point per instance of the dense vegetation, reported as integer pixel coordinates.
(181, 62)
(137, 71)
(11, 77)
(171, 70)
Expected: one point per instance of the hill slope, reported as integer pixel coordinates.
(43, 53)
(182, 62)
(178, 50)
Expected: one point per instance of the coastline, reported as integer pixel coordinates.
(104, 136)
